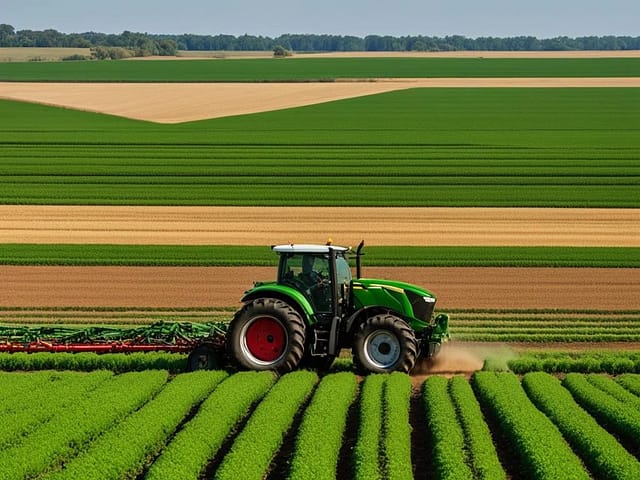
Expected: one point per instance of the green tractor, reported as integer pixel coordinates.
(315, 308)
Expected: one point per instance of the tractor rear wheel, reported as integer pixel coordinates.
(384, 343)
(267, 334)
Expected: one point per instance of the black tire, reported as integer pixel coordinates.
(384, 343)
(266, 334)
(203, 357)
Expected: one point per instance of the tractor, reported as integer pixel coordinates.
(315, 308)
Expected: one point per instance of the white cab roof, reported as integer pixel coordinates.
(302, 248)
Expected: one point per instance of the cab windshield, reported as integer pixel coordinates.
(310, 273)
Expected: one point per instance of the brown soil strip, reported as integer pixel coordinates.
(457, 287)
(182, 102)
(421, 443)
(345, 465)
(346, 226)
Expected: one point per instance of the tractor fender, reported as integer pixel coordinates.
(287, 294)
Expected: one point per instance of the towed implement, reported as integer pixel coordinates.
(303, 319)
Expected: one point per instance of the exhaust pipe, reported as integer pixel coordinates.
(358, 263)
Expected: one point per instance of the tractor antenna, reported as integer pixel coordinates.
(358, 263)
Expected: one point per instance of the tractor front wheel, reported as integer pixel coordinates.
(384, 343)
(267, 334)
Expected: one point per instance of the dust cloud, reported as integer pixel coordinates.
(462, 358)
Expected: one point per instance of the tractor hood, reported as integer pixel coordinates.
(393, 284)
(409, 301)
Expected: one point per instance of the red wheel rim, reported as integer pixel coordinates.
(266, 339)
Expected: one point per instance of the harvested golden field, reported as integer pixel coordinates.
(346, 226)
(183, 102)
(30, 54)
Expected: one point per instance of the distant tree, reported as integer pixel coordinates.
(280, 52)
(149, 44)
(7, 34)
(110, 53)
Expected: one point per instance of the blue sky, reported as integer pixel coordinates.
(471, 18)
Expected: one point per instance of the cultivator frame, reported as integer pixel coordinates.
(176, 337)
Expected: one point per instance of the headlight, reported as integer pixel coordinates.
(422, 306)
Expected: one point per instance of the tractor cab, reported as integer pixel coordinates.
(315, 270)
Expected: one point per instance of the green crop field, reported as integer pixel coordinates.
(148, 425)
(543, 326)
(421, 147)
(310, 69)
(396, 256)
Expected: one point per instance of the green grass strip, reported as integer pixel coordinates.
(396, 443)
(262, 436)
(320, 436)
(449, 453)
(387, 256)
(599, 450)
(366, 456)
(479, 443)
(314, 69)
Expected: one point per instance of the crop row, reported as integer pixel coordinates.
(564, 362)
(470, 195)
(598, 448)
(233, 255)
(38, 405)
(122, 452)
(539, 446)
(261, 438)
(545, 326)
(617, 416)
(383, 447)
(462, 444)
(307, 69)
(319, 439)
(614, 335)
(547, 361)
(85, 361)
(81, 420)
(248, 425)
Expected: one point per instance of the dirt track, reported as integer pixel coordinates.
(561, 288)
(182, 102)
(346, 226)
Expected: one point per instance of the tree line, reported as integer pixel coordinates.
(154, 44)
